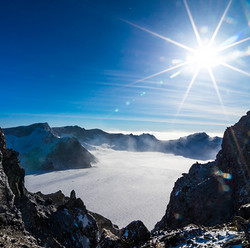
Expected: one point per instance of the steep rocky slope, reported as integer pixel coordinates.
(212, 193)
(40, 149)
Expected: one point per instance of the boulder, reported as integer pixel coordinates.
(135, 233)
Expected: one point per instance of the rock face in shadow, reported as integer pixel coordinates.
(40, 149)
(212, 193)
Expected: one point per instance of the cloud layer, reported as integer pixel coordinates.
(123, 186)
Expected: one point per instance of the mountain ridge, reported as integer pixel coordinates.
(37, 143)
(40, 149)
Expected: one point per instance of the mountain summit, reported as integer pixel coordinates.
(40, 149)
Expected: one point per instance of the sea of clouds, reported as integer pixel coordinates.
(122, 186)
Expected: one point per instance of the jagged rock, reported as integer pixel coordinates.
(14, 172)
(58, 198)
(2, 141)
(104, 223)
(198, 236)
(244, 211)
(135, 233)
(108, 240)
(233, 241)
(212, 193)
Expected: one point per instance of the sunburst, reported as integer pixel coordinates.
(206, 56)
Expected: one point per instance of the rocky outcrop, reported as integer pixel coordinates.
(212, 193)
(40, 149)
(226, 236)
(133, 235)
(34, 220)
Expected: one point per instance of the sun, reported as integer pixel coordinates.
(204, 57)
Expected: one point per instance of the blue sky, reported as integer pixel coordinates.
(83, 63)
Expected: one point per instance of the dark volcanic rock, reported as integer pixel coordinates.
(14, 172)
(212, 193)
(135, 233)
(244, 211)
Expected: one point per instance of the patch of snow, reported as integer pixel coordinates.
(84, 220)
(126, 234)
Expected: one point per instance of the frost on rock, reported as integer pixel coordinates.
(84, 220)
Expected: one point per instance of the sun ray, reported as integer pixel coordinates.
(188, 89)
(158, 73)
(235, 69)
(233, 44)
(219, 24)
(218, 92)
(160, 36)
(193, 24)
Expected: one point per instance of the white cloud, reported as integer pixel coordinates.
(122, 186)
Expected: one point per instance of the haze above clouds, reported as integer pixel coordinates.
(167, 135)
(123, 186)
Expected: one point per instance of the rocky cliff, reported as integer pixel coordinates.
(212, 193)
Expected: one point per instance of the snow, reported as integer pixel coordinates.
(123, 186)
(213, 238)
(84, 220)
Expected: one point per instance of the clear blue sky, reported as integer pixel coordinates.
(81, 62)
